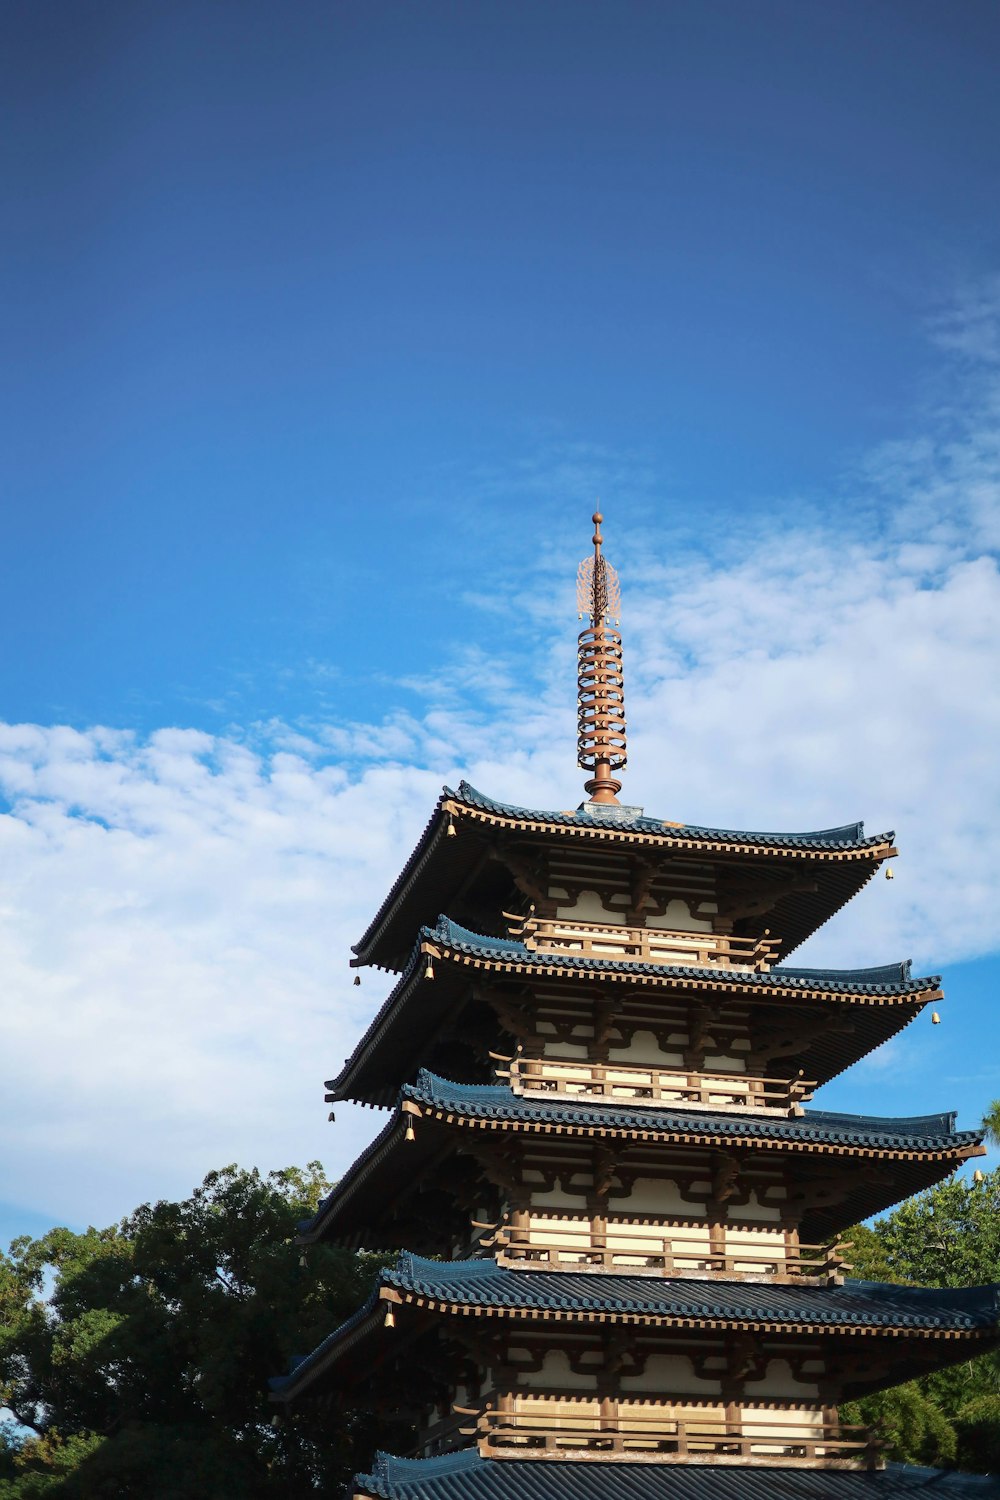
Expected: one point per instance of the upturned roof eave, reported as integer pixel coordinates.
(450, 941)
(845, 841)
(611, 1301)
(497, 956)
(695, 1128)
(823, 845)
(855, 1306)
(440, 1098)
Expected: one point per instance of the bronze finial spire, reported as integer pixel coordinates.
(601, 696)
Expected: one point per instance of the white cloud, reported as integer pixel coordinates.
(176, 912)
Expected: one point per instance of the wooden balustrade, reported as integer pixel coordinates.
(726, 1092)
(648, 945)
(658, 1437)
(530, 1249)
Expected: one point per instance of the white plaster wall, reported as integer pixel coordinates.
(759, 1212)
(588, 908)
(574, 1051)
(657, 1195)
(564, 1234)
(768, 1242)
(677, 918)
(561, 1196)
(643, 1050)
(543, 1411)
(778, 1380)
(797, 1422)
(724, 1062)
(557, 1374)
(673, 1373)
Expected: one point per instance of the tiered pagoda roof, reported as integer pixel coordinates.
(883, 982)
(921, 1150)
(467, 1476)
(885, 999)
(485, 1288)
(839, 862)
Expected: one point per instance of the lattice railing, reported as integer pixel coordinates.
(678, 1439)
(649, 945)
(666, 1254)
(742, 1092)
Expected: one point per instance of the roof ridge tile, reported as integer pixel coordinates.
(846, 835)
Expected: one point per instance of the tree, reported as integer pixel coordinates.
(947, 1236)
(137, 1357)
(991, 1123)
(977, 1425)
(913, 1427)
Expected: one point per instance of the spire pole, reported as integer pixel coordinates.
(600, 685)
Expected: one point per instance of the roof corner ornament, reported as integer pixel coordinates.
(600, 685)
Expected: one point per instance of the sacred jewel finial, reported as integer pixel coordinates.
(601, 698)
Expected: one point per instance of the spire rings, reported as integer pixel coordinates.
(601, 699)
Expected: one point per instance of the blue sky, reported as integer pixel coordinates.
(324, 326)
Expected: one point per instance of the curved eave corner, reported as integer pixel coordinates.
(463, 1287)
(848, 840)
(846, 843)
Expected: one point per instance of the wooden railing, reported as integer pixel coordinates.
(531, 1249)
(677, 1439)
(648, 945)
(729, 1092)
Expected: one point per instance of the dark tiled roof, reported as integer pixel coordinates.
(886, 979)
(357, 1205)
(841, 861)
(863, 1304)
(466, 1476)
(364, 1077)
(497, 1102)
(588, 815)
(483, 1284)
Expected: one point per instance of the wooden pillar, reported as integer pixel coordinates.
(793, 1266)
(519, 1225)
(734, 1411)
(599, 1236)
(597, 1200)
(718, 1216)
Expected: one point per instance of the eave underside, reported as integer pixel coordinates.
(481, 994)
(385, 1186)
(375, 1364)
(445, 868)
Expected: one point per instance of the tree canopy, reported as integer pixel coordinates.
(136, 1358)
(947, 1236)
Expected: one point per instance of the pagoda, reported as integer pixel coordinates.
(621, 1273)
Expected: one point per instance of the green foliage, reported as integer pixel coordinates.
(138, 1356)
(991, 1123)
(978, 1427)
(947, 1236)
(914, 1428)
(41, 1465)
